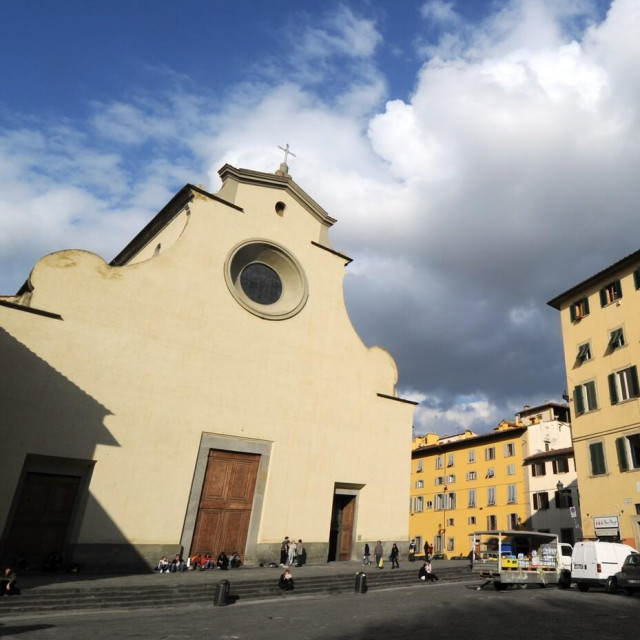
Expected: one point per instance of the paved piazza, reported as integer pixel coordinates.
(433, 612)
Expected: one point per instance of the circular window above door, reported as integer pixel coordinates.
(266, 280)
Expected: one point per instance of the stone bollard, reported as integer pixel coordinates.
(221, 598)
(361, 582)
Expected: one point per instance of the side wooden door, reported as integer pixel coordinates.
(225, 504)
(346, 529)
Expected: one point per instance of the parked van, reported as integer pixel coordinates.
(594, 562)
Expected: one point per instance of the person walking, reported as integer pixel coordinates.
(367, 555)
(300, 553)
(378, 552)
(394, 556)
(426, 551)
(412, 550)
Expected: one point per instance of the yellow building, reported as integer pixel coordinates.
(465, 483)
(601, 336)
(204, 391)
(519, 476)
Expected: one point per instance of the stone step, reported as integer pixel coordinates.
(63, 598)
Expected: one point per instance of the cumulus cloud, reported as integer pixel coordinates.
(506, 177)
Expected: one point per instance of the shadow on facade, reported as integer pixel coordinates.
(51, 429)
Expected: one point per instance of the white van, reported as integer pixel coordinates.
(593, 562)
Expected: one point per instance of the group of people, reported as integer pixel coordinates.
(199, 562)
(425, 572)
(378, 552)
(292, 552)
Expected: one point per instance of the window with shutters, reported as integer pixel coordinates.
(616, 339)
(419, 484)
(472, 475)
(610, 293)
(636, 278)
(585, 397)
(541, 501)
(490, 453)
(512, 521)
(564, 499)
(451, 459)
(472, 455)
(623, 385)
(472, 498)
(420, 466)
(511, 494)
(579, 309)
(509, 449)
(628, 448)
(538, 469)
(584, 353)
(492, 523)
(439, 462)
(418, 504)
(561, 465)
(491, 496)
(596, 458)
(438, 480)
(471, 520)
(511, 469)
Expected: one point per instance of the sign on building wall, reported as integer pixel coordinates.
(606, 525)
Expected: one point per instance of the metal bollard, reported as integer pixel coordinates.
(221, 598)
(361, 582)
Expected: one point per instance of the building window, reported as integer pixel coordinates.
(439, 480)
(472, 455)
(511, 494)
(490, 472)
(451, 459)
(471, 520)
(511, 469)
(429, 504)
(541, 501)
(491, 496)
(579, 309)
(472, 475)
(418, 542)
(440, 504)
(623, 385)
(419, 484)
(584, 353)
(439, 462)
(452, 501)
(596, 454)
(616, 339)
(420, 466)
(418, 504)
(636, 278)
(492, 523)
(451, 522)
(512, 521)
(490, 453)
(564, 499)
(472, 498)
(450, 544)
(628, 448)
(451, 479)
(538, 469)
(509, 449)
(584, 397)
(561, 465)
(610, 293)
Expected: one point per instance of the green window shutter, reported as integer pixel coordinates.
(613, 392)
(573, 312)
(597, 458)
(622, 454)
(586, 305)
(577, 398)
(635, 388)
(618, 288)
(636, 278)
(603, 297)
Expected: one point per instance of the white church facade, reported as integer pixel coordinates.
(204, 391)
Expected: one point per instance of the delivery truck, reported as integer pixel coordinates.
(517, 558)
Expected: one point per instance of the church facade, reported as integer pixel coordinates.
(204, 391)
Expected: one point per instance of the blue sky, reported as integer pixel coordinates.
(480, 157)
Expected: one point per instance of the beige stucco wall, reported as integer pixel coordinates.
(615, 493)
(164, 353)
